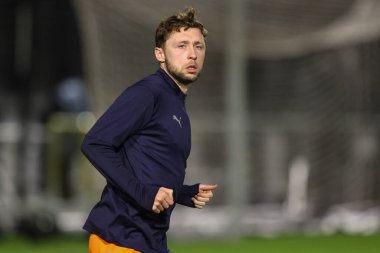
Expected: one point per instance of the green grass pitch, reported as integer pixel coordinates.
(285, 244)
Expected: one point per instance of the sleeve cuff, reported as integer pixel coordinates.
(187, 192)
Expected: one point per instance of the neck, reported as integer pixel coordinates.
(184, 88)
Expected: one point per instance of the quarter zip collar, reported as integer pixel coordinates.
(171, 83)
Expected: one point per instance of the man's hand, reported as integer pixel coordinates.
(163, 200)
(204, 195)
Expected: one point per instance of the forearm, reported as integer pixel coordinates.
(108, 162)
(186, 195)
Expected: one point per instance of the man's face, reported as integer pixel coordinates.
(183, 54)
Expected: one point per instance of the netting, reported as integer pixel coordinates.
(312, 91)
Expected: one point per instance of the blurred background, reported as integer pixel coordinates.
(285, 118)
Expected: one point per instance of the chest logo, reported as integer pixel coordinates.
(178, 120)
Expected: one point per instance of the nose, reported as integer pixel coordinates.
(192, 54)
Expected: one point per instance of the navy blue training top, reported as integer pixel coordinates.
(141, 143)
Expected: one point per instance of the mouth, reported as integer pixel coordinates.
(192, 69)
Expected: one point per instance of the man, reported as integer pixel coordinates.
(141, 144)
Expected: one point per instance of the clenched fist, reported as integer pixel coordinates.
(163, 200)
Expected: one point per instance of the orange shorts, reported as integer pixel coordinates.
(98, 245)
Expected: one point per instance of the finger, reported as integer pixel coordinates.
(207, 187)
(164, 203)
(165, 196)
(207, 194)
(202, 199)
(169, 196)
(156, 210)
(158, 206)
(198, 204)
(170, 200)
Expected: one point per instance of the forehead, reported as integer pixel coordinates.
(191, 35)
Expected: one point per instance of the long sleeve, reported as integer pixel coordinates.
(141, 143)
(187, 192)
(131, 111)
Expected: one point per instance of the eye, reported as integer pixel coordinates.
(181, 46)
(199, 46)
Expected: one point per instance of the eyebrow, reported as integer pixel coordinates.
(188, 42)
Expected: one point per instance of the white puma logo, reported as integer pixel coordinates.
(178, 120)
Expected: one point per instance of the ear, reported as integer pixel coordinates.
(160, 55)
